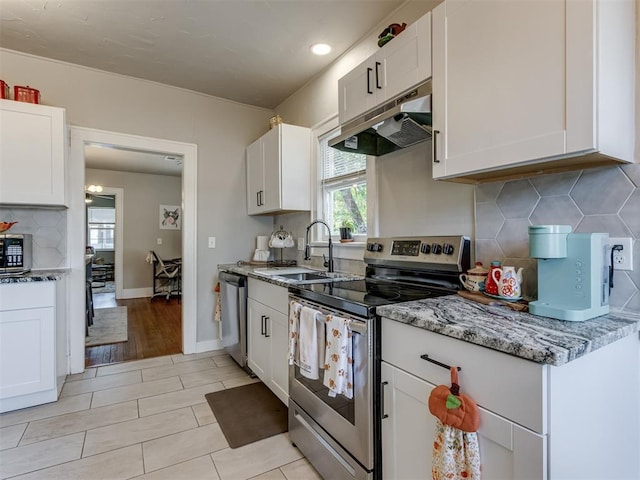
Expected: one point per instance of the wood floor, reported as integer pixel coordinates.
(154, 329)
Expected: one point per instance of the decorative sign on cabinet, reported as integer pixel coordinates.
(268, 335)
(530, 86)
(399, 65)
(32, 154)
(279, 171)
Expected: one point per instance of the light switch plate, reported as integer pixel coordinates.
(212, 242)
(159, 241)
(622, 259)
(300, 243)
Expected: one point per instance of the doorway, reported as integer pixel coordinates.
(76, 224)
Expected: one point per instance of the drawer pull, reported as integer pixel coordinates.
(440, 364)
(382, 385)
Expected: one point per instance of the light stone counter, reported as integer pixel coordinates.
(540, 339)
(250, 271)
(51, 275)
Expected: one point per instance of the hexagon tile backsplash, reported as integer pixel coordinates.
(603, 200)
(49, 230)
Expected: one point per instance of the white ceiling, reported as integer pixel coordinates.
(251, 51)
(106, 158)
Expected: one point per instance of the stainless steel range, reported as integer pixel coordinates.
(341, 436)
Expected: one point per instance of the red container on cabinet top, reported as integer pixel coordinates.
(26, 94)
(4, 90)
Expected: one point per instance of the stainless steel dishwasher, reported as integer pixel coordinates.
(233, 300)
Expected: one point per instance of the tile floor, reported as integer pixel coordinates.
(145, 419)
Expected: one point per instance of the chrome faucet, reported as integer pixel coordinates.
(307, 247)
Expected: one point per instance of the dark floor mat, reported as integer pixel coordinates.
(249, 413)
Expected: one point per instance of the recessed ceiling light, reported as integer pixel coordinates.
(321, 48)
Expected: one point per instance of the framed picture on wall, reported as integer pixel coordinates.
(170, 217)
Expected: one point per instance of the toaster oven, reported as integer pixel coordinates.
(15, 253)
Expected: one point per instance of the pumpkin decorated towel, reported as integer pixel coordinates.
(456, 453)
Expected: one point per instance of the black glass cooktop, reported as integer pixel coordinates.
(361, 297)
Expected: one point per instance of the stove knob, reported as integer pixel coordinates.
(425, 248)
(436, 249)
(374, 247)
(447, 249)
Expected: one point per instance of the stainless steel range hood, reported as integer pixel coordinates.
(400, 123)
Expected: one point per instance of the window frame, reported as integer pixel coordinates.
(101, 226)
(352, 250)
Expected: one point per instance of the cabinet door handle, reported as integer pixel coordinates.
(257, 199)
(382, 385)
(435, 146)
(378, 86)
(266, 327)
(369, 70)
(262, 317)
(435, 362)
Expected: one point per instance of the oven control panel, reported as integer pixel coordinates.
(436, 251)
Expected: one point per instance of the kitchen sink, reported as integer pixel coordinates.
(281, 271)
(301, 277)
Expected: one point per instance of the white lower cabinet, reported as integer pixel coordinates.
(27, 345)
(268, 327)
(537, 421)
(508, 451)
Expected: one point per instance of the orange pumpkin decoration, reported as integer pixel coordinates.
(454, 408)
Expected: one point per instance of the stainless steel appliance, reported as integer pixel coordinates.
(398, 123)
(233, 301)
(15, 253)
(341, 436)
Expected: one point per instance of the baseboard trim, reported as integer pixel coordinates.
(208, 345)
(136, 293)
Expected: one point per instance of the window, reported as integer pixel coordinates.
(102, 226)
(343, 185)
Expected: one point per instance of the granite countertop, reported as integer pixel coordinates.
(540, 339)
(250, 271)
(50, 275)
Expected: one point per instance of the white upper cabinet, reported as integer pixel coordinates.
(525, 86)
(32, 154)
(401, 64)
(279, 171)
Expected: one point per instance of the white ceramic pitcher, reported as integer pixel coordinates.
(509, 281)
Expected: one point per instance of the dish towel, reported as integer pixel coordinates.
(338, 365)
(308, 343)
(217, 315)
(294, 329)
(456, 454)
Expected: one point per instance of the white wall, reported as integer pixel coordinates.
(143, 194)
(220, 128)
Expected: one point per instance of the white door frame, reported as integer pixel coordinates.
(76, 231)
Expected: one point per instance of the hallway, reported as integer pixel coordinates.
(154, 329)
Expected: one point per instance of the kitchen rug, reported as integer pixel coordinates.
(249, 413)
(109, 326)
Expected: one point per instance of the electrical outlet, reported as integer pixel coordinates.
(212, 242)
(159, 241)
(301, 243)
(622, 259)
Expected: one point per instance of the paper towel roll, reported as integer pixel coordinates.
(262, 243)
